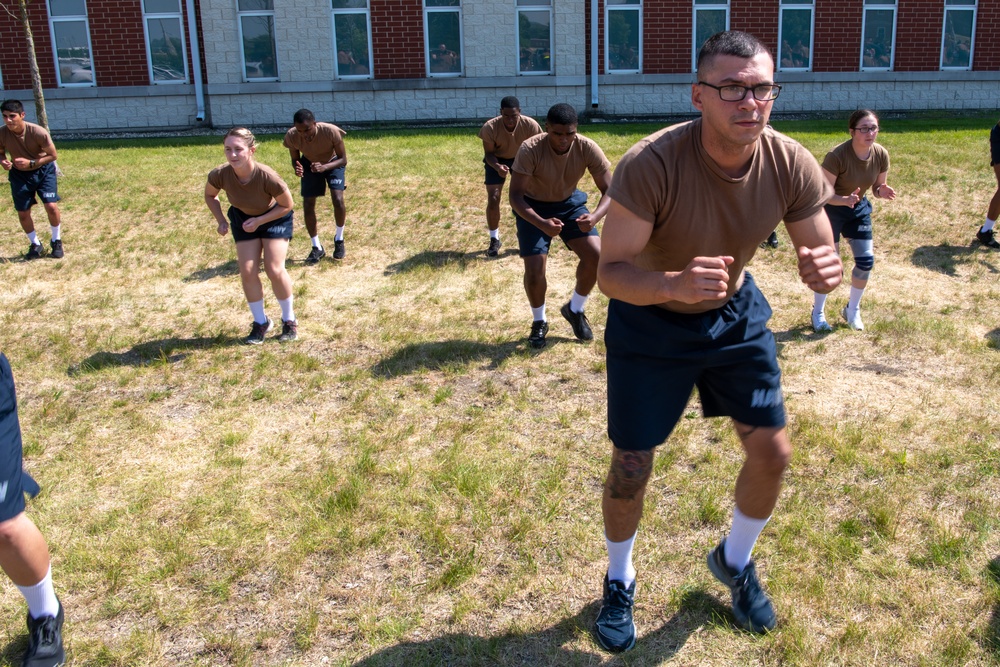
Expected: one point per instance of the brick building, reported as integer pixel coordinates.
(151, 64)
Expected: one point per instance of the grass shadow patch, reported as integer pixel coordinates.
(433, 259)
(166, 350)
(944, 258)
(440, 354)
(230, 268)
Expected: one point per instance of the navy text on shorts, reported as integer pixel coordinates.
(314, 184)
(14, 482)
(655, 357)
(533, 241)
(277, 229)
(24, 185)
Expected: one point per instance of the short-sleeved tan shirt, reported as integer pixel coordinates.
(851, 171)
(554, 177)
(31, 146)
(505, 141)
(696, 210)
(322, 147)
(256, 197)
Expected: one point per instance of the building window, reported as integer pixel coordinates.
(534, 36)
(352, 39)
(165, 41)
(256, 20)
(623, 40)
(710, 17)
(879, 35)
(959, 29)
(71, 42)
(795, 35)
(443, 32)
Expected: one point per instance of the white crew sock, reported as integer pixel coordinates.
(316, 243)
(855, 300)
(741, 539)
(988, 225)
(620, 561)
(41, 597)
(495, 233)
(287, 312)
(819, 302)
(257, 310)
(339, 236)
(56, 234)
(538, 314)
(33, 238)
(577, 302)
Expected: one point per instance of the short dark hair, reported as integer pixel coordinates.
(852, 122)
(303, 116)
(562, 114)
(730, 43)
(510, 102)
(14, 106)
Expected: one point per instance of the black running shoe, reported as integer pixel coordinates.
(987, 238)
(45, 646)
(581, 327)
(315, 255)
(34, 251)
(751, 606)
(257, 332)
(289, 331)
(538, 330)
(338, 250)
(615, 630)
(57, 249)
(494, 248)
(771, 242)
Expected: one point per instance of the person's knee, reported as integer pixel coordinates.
(629, 474)
(10, 531)
(493, 197)
(863, 265)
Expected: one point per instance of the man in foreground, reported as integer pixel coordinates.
(690, 206)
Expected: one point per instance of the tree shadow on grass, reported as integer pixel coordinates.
(438, 354)
(440, 259)
(230, 268)
(548, 646)
(167, 350)
(991, 636)
(993, 339)
(944, 258)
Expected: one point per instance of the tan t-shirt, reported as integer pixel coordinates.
(321, 148)
(696, 210)
(256, 197)
(31, 146)
(851, 171)
(553, 177)
(505, 141)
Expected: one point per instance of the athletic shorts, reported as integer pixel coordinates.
(853, 223)
(655, 357)
(24, 185)
(14, 481)
(493, 176)
(314, 185)
(277, 229)
(995, 145)
(533, 241)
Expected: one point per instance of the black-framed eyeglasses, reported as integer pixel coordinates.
(867, 129)
(765, 92)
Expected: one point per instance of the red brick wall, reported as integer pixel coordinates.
(118, 44)
(986, 49)
(14, 60)
(666, 36)
(918, 35)
(757, 17)
(398, 39)
(837, 45)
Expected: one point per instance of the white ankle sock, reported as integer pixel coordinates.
(819, 302)
(339, 236)
(538, 313)
(41, 597)
(56, 233)
(287, 312)
(741, 539)
(257, 310)
(316, 243)
(495, 233)
(988, 225)
(855, 300)
(577, 302)
(620, 561)
(32, 238)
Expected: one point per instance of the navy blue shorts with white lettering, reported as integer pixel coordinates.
(656, 357)
(14, 482)
(277, 229)
(314, 184)
(493, 176)
(533, 241)
(24, 185)
(853, 223)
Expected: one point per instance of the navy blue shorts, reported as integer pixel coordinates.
(995, 145)
(656, 357)
(277, 229)
(533, 241)
(14, 482)
(314, 185)
(24, 185)
(853, 223)
(493, 177)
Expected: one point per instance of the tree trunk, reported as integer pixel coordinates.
(36, 77)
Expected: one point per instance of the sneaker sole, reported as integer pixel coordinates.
(612, 649)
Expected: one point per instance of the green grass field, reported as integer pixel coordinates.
(410, 484)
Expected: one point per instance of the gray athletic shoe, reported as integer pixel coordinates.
(751, 605)
(257, 333)
(34, 251)
(45, 645)
(614, 629)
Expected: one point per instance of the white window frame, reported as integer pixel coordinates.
(455, 9)
(240, 15)
(367, 11)
(71, 18)
(879, 6)
(960, 6)
(635, 6)
(146, 17)
(796, 5)
(703, 5)
(532, 6)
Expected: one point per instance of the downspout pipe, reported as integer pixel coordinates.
(199, 86)
(593, 54)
